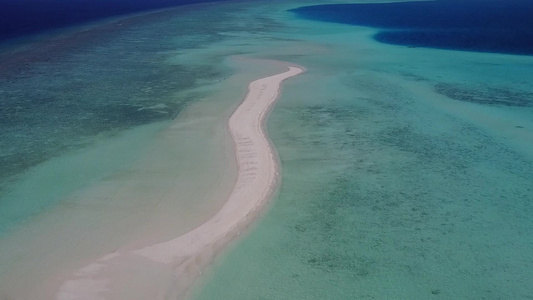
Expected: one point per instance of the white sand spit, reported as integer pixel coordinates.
(167, 270)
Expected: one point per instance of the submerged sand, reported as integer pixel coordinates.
(167, 270)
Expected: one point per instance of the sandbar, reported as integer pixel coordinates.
(167, 270)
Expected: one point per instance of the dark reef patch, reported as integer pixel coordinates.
(485, 95)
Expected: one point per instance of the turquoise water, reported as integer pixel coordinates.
(88, 116)
(406, 172)
(65, 94)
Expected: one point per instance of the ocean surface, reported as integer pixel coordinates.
(407, 166)
(19, 18)
(500, 26)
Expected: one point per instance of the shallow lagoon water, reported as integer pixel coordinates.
(65, 94)
(406, 175)
(405, 171)
(68, 202)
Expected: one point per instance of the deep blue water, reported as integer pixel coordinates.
(501, 26)
(22, 17)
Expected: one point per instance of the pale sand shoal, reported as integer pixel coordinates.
(148, 273)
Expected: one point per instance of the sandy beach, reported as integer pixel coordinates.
(168, 269)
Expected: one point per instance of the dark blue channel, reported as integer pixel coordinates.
(19, 18)
(501, 26)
